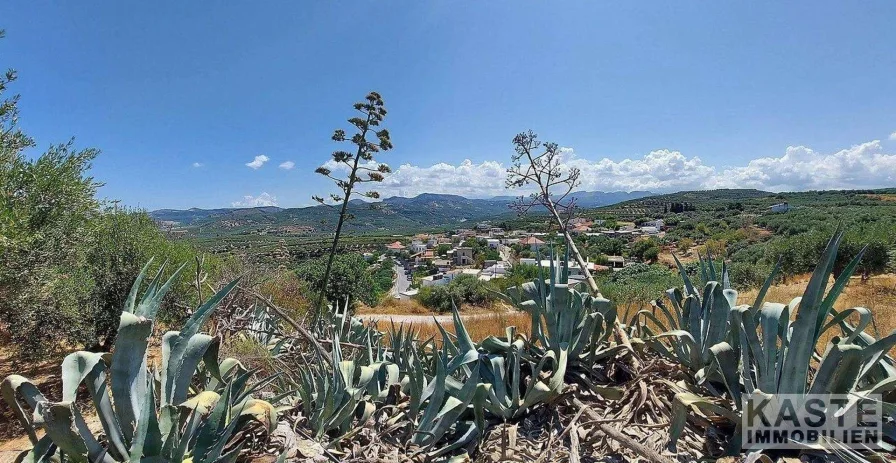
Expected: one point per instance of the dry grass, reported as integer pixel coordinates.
(882, 197)
(480, 326)
(390, 305)
(878, 295)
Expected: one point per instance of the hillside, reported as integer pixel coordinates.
(391, 215)
(702, 199)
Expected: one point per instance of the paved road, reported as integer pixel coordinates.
(401, 283)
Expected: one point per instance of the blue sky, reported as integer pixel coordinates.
(645, 95)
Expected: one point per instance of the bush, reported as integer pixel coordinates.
(120, 241)
(349, 279)
(464, 289)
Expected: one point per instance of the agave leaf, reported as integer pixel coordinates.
(760, 297)
(262, 412)
(185, 367)
(149, 306)
(90, 368)
(15, 384)
(128, 369)
(68, 431)
(131, 302)
(801, 344)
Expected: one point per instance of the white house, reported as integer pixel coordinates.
(572, 265)
(658, 224)
(442, 264)
(495, 270)
(407, 295)
(650, 230)
(417, 246)
(434, 280)
(781, 207)
(493, 243)
(616, 261)
(528, 261)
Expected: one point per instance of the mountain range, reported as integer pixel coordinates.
(394, 214)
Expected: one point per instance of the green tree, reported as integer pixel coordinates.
(120, 242)
(647, 250)
(442, 249)
(360, 166)
(349, 279)
(66, 264)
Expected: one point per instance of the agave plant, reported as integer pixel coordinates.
(124, 393)
(563, 318)
(767, 353)
(687, 329)
(334, 398)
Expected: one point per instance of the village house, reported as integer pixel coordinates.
(434, 280)
(421, 257)
(496, 270)
(781, 207)
(417, 246)
(658, 224)
(463, 255)
(616, 262)
(493, 242)
(534, 243)
(395, 247)
(496, 232)
(442, 264)
(579, 229)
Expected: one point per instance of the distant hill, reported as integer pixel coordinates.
(590, 199)
(391, 215)
(699, 199)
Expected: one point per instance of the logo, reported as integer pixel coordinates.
(828, 421)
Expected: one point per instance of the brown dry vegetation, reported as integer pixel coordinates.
(882, 197)
(480, 326)
(878, 295)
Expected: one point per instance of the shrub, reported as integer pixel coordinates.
(464, 289)
(349, 279)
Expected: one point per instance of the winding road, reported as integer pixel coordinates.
(401, 283)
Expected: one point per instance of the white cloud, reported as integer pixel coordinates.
(264, 199)
(288, 165)
(893, 136)
(198, 164)
(258, 161)
(799, 168)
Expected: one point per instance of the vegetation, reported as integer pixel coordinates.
(463, 289)
(545, 171)
(351, 279)
(140, 420)
(66, 259)
(68, 278)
